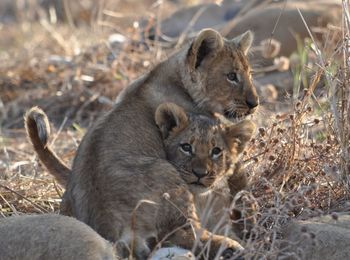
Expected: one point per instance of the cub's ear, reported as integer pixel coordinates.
(170, 117)
(238, 135)
(244, 41)
(207, 43)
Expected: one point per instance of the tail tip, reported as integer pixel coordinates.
(36, 120)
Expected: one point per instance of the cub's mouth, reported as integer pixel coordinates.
(231, 115)
(198, 183)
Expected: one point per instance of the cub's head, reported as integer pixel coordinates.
(217, 74)
(204, 150)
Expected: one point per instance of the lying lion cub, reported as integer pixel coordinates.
(121, 165)
(51, 237)
(206, 153)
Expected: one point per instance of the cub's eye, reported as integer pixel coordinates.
(186, 148)
(216, 152)
(232, 77)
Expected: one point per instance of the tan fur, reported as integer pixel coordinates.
(121, 162)
(211, 169)
(51, 237)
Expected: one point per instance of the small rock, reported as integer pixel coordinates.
(173, 253)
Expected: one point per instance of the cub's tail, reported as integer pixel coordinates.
(38, 131)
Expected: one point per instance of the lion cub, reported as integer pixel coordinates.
(121, 164)
(206, 152)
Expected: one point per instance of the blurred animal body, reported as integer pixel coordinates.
(51, 236)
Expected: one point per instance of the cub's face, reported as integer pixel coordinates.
(220, 74)
(200, 152)
(204, 150)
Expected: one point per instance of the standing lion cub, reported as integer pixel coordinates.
(121, 166)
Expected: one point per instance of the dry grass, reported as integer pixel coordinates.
(298, 163)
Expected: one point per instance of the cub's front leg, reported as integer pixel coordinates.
(244, 205)
(244, 214)
(179, 225)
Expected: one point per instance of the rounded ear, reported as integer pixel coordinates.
(244, 41)
(170, 117)
(238, 135)
(207, 42)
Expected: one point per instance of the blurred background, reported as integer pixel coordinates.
(50, 47)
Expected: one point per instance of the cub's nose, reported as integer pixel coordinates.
(252, 102)
(200, 173)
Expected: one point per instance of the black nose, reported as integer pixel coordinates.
(199, 173)
(251, 103)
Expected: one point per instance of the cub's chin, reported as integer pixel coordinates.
(202, 185)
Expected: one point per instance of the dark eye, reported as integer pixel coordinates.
(232, 77)
(215, 153)
(186, 148)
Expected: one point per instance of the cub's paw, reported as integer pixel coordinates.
(230, 254)
(233, 250)
(224, 248)
(244, 213)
